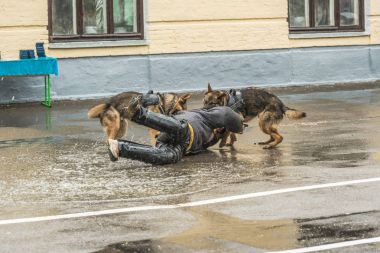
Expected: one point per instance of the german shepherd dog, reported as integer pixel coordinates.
(252, 102)
(112, 113)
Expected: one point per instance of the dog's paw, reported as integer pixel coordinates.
(230, 144)
(266, 142)
(232, 147)
(268, 147)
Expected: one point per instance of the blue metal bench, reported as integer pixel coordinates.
(32, 67)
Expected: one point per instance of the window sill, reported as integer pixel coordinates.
(327, 35)
(97, 44)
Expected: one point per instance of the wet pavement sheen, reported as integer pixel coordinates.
(55, 162)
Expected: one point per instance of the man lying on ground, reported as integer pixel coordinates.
(187, 132)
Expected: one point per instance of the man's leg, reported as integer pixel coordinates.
(161, 154)
(178, 130)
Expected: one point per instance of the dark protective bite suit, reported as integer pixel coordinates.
(171, 143)
(176, 134)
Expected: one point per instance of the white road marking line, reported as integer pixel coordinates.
(189, 204)
(331, 246)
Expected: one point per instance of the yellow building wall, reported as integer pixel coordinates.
(22, 24)
(178, 26)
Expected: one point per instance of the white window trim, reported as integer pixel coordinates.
(307, 17)
(74, 16)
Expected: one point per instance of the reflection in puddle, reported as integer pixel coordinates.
(339, 154)
(56, 169)
(212, 227)
(14, 133)
(41, 140)
(213, 231)
(144, 246)
(338, 228)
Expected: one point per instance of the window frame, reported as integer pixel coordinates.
(109, 36)
(329, 29)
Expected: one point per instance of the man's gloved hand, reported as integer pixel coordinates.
(139, 101)
(149, 99)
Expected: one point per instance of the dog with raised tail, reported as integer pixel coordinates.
(112, 113)
(252, 102)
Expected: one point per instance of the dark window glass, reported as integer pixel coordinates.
(63, 17)
(326, 15)
(299, 13)
(124, 16)
(95, 19)
(349, 12)
(94, 12)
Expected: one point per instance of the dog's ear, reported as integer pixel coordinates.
(222, 95)
(186, 96)
(161, 96)
(209, 89)
(233, 92)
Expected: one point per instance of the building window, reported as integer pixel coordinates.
(326, 15)
(81, 20)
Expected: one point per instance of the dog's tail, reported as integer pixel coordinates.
(95, 111)
(293, 113)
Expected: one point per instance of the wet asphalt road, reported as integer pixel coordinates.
(55, 162)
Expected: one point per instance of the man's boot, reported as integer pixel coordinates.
(177, 130)
(162, 154)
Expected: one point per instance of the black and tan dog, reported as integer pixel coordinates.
(112, 113)
(252, 102)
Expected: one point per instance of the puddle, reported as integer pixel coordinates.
(274, 234)
(144, 246)
(69, 162)
(345, 227)
(58, 169)
(40, 140)
(376, 156)
(57, 159)
(213, 231)
(17, 133)
(341, 153)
